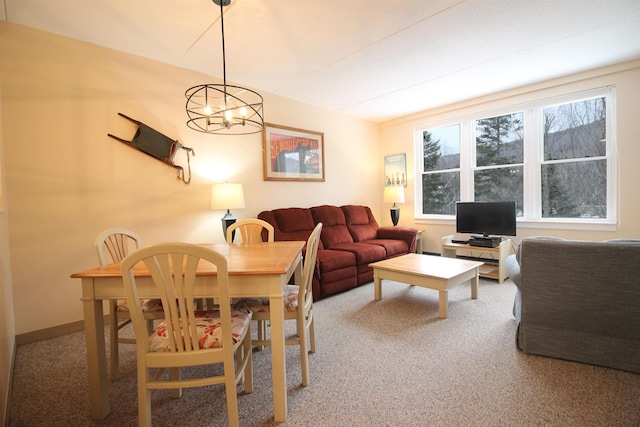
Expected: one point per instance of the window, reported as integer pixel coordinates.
(497, 176)
(441, 180)
(574, 168)
(555, 158)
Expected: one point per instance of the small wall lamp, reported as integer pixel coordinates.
(394, 194)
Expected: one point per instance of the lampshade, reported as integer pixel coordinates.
(394, 194)
(221, 108)
(227, 196)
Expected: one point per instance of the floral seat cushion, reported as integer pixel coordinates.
(209, 329)
(149, 305)
(261, 305)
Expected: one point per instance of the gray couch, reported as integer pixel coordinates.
(579, 300)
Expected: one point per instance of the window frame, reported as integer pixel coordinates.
(533, 159)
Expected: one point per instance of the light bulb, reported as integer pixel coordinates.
(243, 112)
(228, 114)
(207, 110)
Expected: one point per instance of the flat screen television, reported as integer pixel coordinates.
(486, 218)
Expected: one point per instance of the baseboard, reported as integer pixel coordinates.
(54, 331)
(10, 386)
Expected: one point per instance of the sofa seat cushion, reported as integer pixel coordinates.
(335, 282)
(392, 247)
(365, 254)
(330, 260)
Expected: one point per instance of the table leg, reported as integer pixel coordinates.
(474, 285)
(96, 352)
(444, 303)
(278, 367)
(297, 274)
(377, 285)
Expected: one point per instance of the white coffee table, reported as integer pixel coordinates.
(427, 271)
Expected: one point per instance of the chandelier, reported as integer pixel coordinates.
(224, 109)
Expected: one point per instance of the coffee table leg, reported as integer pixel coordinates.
(474, 285)
(444, 303)
(377, 285)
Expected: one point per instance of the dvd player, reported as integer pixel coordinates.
(460, 241)
(485, 242)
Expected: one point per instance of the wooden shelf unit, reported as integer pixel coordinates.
(493, 258)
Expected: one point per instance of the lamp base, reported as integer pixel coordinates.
(227, 220)
(395, 215)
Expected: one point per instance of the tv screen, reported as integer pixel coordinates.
(486, 218)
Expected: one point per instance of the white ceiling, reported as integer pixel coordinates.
(367, 58)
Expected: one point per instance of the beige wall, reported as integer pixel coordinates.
(398, 136)
(66, 180)
(7, 324)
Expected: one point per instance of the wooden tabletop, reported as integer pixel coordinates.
(250, 259)
(427, 265)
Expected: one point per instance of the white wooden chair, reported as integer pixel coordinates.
(298, 301)
(113, 245)
(250, 230)
(187, 337)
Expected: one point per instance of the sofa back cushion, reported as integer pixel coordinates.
(334, 225)
(360, 222)
(289, 223)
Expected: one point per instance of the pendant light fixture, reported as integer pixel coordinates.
(224, 109)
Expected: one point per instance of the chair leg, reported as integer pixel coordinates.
(144, 397)
(262, 332)
(113, 339)
(239, 359)
(304, 352)
(248, 371)
(232, 399)
(312, 336)
(174, 375)
(150, 326)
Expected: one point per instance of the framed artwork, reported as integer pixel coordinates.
(395, 170)
(291, 154)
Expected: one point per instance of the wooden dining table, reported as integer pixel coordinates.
(255, 270)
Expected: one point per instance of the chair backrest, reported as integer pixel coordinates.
(250, 230)
(114, 244)
(305, 294)
(173, 268)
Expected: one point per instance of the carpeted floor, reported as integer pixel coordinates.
(386, 363)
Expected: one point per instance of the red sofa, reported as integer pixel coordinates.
(351, 239)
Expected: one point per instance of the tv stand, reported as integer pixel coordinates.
(494, 258)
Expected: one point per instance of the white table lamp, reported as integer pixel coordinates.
(225, 197)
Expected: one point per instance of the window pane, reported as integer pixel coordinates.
(441, 148)
(440, 191)
(500, 185)
(575, 130)
(499, 140)
(574, 189)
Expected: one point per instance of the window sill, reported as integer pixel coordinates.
(548, 224)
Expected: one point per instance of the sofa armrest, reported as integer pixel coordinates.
(513, 269)
(407, 234)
